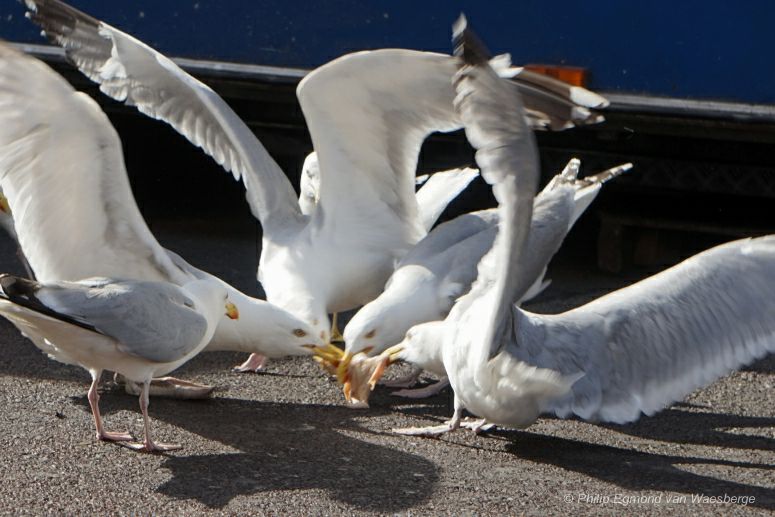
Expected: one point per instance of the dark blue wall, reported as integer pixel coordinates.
(713, 49)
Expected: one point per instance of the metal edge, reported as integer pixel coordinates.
(695, 108)
(620, 102)
(219, 69)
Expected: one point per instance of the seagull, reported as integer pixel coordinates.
(62, 171)
(139, 329)
(628, 353)
(436, 192)
(368, 114)
(442, 267)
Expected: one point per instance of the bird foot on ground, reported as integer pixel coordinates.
(429, 431)
(115, 436)
(153, 446)
(477, 425)
(171, 387)
(421, 393)
(254, 364)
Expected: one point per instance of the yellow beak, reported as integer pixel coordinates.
(231, 311)
(329, 353)
(344, 365)
(393, 353)
(4, 206)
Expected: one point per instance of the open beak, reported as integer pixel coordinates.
(231, 311)
(328, 357)
(341, 369)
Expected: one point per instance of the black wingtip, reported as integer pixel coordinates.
(467, 44)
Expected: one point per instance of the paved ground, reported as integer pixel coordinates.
(281, 443)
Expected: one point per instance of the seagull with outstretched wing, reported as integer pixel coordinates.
(442, 267)
(628, 353)
(62, 171)
(368, 114)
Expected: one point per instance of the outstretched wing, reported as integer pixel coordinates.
(494, 117)
(130, 71)
(62, 170)
(650, 344)
(368, 114)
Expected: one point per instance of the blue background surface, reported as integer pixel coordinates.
(690, 49)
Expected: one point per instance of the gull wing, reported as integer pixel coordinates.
(493, 114)
(132, 72)
(62, 170)
(648, 345)
(368, 115)
(151, 320)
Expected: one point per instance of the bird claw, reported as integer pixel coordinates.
(254, 364)
(153, 446)
(421, 393)
(477, 425)
(115, 436)
(429, 431)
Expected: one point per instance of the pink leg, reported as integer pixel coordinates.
(148, 444)
(254, 363)
(94, 402)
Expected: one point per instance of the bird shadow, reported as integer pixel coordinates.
(675, 424)
(284, 447)
(635, 470)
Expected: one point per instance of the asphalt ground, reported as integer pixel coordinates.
(281, 443)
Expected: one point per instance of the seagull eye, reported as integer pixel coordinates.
(370, 334)
(299, 333)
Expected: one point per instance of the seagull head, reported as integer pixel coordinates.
(287, 334)
(384, 321)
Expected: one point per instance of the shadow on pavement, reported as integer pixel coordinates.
(634, 470)
(284, 447)
(676, 425)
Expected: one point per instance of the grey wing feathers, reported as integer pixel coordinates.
(648, 345)
(130, 71)
(151, 320)
(448, 234)
(493, 115)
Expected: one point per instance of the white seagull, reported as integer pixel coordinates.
(628, 353)
(442, 267)
(62, 170)
(138, 329)
(368, 114)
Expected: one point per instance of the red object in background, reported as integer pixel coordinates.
(570, 74)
